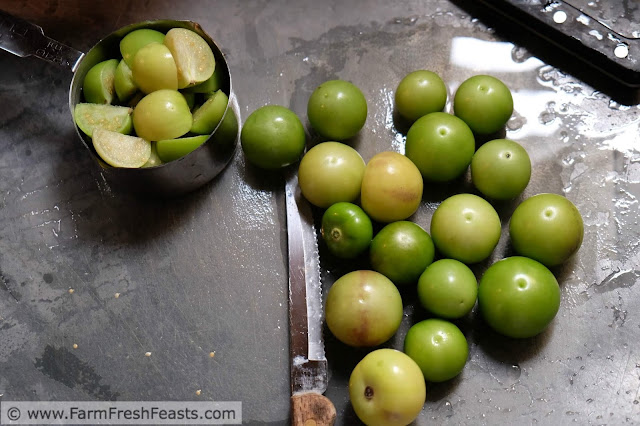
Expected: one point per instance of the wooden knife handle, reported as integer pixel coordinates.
(312, 409)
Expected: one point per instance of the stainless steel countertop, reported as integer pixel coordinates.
(207, 272)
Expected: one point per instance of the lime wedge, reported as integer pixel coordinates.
(207, 117)
(153, 160)
(210, 85)
(120, 150)
(172, 149)
(132, 42)
(123, 82)
(98, 84)
(193, 55)
(89, 117)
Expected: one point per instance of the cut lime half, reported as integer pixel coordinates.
(153, 160)
(172, 149)
(207, 117)
(98, 85)
(123, 82)
(193, 55)
(208, 86)
(120, 150)
(89, 117)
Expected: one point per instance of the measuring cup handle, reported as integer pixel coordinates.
(23, 38)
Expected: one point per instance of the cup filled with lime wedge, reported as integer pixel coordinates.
(152, 102)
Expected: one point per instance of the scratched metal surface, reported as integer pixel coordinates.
(120, 277)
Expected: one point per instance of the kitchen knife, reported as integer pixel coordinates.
(306, 347)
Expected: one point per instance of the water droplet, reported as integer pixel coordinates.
(516, 123)
(519, 54)
(596, 34)
(408, 21)
(547, 117)
(546, 73)
(513, 372)
(583, 19)
(617, 106)
(447, 407)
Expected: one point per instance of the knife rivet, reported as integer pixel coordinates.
(560, 17)
(621, 51)
(310, 422)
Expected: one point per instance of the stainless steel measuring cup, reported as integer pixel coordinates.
(177, 177)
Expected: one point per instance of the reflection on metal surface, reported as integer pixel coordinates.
(385, 117)
(257, 206)
(481, 55)
(532, 104)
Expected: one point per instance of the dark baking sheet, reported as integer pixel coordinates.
(599, 36)
(207, 272)
(622, 16)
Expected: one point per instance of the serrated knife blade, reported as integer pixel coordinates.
(308, 364)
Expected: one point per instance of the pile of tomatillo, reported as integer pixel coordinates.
(517, 296)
